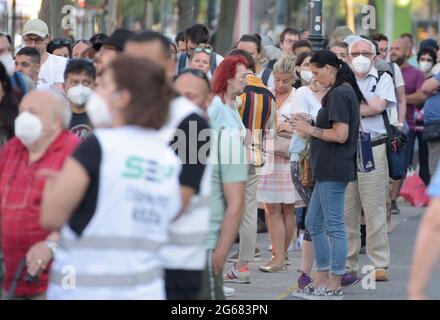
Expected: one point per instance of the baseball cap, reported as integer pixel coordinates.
(37, 27)
(117, 39)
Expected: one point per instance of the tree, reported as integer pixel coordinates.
(51, 13)
(294, 12)
(185, 13)
(226, 24)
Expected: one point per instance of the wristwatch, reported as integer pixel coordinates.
(52, 245)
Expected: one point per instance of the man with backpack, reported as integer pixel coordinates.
(195, 36)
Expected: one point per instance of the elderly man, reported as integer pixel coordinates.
(42, 143)
(369, 192)
(36, 35)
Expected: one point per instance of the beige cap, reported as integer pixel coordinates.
(37, 27)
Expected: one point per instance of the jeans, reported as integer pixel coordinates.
(325, 222)
(423, 155)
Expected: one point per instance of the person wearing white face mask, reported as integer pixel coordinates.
(42, 143)
(79, 83)
(369, 192)
(21, 82)
(303, 73)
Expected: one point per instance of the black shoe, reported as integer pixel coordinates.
(363, 251)
(394, 209)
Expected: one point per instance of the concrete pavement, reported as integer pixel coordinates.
(279, 286)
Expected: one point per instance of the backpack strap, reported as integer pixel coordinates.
(213, 62)
(19, 82)
(182, 63)
(266, 76)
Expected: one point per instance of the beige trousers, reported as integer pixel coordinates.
(248, 227)
(369, 193)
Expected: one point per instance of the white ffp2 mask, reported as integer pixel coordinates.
(28, 128)
(98, 112)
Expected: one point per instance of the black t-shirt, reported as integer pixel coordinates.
(89, 155)
(193, 166)
(333, 161)
(80, 125)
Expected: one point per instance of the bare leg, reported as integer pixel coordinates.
(321, 279)
(307, 257)
(289, 224)
(277, 232)
(334, 282)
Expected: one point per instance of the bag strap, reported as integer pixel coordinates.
(266, 76)
(182, 63)
(386, 120)
(213, 62)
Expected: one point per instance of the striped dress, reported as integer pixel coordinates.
(275, 182)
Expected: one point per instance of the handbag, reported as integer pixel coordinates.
(365, 158)
(305, 168)
(432, 131)
(396, 149)
(281, 144)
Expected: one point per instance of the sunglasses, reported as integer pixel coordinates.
(61, 42)
(208, 51)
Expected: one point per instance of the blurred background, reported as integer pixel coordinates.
(231, 17)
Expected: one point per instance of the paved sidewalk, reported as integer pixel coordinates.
(279, 286)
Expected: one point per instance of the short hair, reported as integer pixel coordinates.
(252, 38)
(226, 71)
(407, 35)
(62, 107)
(59, 43)
(373, 46)
(285, 65)
(247, 56)
(287, 31)
(33, 53)
(87, 42)
(425, 51)
(197, 34)
(302, 44)
(339, 34)
(78, 66)
(151, 36)
(340, 45)
(180, 37)
(378, 37)
(147, 108)
(198, 74)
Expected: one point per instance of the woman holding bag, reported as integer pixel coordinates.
(275, 187)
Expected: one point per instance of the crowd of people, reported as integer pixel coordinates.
(130, 164)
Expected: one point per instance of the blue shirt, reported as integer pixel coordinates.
(432, 106)
(434, 187)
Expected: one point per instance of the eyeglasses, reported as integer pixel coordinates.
(364, 54)
(37, 40)
(208, 51)
(197, 73)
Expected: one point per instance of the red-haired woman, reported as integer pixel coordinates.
(228, 82)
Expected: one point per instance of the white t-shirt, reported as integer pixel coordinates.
(398, 76)
(52, 71)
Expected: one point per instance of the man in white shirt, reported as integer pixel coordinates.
(36, 35)
(369, 192)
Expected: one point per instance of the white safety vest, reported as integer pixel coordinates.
(117, 255)
(187, 249)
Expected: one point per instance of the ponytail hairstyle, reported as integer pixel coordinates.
(344, 75)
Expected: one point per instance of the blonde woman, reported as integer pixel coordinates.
(275, 187)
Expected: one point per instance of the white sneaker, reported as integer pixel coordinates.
(270, 248)
(229, 292)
